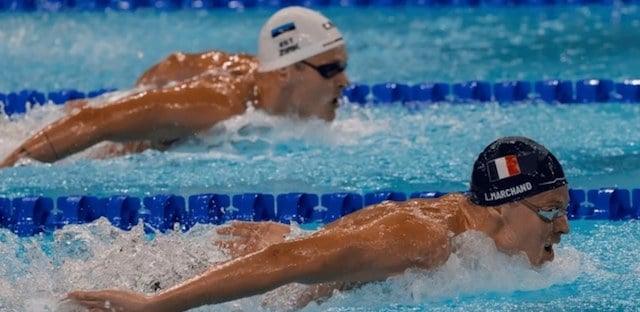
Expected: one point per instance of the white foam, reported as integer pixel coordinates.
(256, 132)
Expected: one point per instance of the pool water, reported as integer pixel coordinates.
(366, 149)
(370, 148)
(88, 51)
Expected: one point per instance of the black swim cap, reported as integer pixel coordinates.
(511, 169)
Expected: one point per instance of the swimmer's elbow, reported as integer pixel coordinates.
(440, 252)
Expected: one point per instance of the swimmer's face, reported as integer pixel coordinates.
(316, 95)
(531, 233)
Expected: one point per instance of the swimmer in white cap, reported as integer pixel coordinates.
(518, 198)
(299, 71)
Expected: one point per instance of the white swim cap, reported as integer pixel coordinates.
(294, 34)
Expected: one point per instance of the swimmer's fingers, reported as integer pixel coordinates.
(236, 247)
(89, 304)
(6, 162)
(223, 243)
(110, 300)
(248, 237)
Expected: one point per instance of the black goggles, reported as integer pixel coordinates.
(328, 70)
(546, 214)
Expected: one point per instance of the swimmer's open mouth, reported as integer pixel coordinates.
(335, 102)
(548, 247)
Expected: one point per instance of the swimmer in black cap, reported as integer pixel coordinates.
(518, 198)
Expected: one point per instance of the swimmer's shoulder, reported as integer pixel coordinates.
(233, 62)
(453, 202)
(221, 56)
(447, 207)
(447, 201)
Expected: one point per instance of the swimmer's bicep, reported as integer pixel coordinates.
(398, 242)
(375, 252)
(166, 113)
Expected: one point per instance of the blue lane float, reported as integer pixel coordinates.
(594, 90)
(511, 91)
(121, 211)
(163, 211)
(296, 207)
(555, 91)
(391, 92)
(170, 5)
(333, 206)
(429, 92)
(207, 208)
(560, 91)
(31, 215)
(251, 207)
(628, 90)
(16, 103)
(472, 91)
(26, 216)
(78, 210)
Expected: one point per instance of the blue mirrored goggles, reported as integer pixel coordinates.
(547, 214)
(328, 70)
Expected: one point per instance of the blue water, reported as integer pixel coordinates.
(383, 147)
(89, 51)
(367, 149)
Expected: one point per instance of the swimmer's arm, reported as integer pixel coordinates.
(363, 254)
(383, 249)
(334, 256)
(158, 114)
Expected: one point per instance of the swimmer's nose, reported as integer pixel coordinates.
(342, 80)
(561, 225)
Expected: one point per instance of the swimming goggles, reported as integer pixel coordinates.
(328, 70)
(546, 214)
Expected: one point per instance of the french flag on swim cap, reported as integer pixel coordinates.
(503, 167)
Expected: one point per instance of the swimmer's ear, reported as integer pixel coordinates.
(284, 73)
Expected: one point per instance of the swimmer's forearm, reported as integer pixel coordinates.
(257, 273)
(58, 140)
(239, 278)
(328, 256)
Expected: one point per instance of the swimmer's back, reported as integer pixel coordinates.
(445, 211)
(180, 66)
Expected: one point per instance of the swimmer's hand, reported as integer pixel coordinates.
(6, 162)
(12, 158)
(111, 300)
(248, 237)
